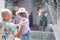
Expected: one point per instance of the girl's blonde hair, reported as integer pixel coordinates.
(21, 12)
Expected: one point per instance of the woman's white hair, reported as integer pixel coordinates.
(6, 10)
(3, 11)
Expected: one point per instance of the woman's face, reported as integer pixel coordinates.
(41, 6)
(7, 17)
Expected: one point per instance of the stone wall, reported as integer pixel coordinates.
(39, 35)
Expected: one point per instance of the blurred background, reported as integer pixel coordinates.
(51, 8)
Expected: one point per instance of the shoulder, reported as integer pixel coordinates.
(44, 17)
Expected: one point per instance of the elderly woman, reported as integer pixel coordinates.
(9, 27)
(6, 19)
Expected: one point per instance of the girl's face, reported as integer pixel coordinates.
(20, 15)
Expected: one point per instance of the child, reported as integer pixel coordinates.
(23, 15)
(8, 26)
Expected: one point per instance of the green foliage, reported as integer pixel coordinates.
(37, 1)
